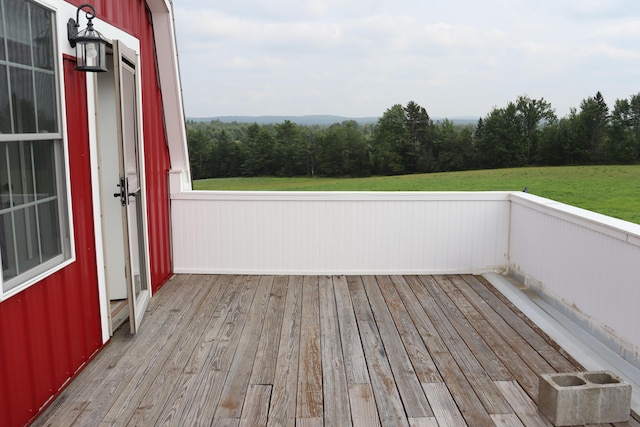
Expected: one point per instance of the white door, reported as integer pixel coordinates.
(130, 187)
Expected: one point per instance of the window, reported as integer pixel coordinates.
(34, 225)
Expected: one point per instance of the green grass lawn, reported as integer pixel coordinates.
(611, 190)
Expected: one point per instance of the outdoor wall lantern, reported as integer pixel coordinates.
(91, 47)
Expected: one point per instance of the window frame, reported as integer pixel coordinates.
(60, 145)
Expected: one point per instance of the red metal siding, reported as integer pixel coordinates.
(133, 17)
(51, 329)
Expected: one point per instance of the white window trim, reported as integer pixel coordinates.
(57, 263)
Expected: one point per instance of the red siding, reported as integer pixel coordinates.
(51, 329)
(133, 17)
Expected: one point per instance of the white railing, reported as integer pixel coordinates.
(339, 233)
(582, 261)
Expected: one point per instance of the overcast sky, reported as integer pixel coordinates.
(357, 58)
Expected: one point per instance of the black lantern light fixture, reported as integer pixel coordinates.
(91, 46)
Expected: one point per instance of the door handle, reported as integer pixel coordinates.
(122, 194)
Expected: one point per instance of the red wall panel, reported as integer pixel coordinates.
(52, 328)
(133, 17)
(49, 331)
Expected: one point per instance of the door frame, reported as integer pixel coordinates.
(105, 177)
(136, 248)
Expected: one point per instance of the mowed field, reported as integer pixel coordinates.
(610, 190)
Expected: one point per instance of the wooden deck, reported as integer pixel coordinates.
(313, 351)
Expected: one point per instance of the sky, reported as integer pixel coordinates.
(357, 58)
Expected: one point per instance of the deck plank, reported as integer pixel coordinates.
(421, 360)
(334, 379)
(183, 392)
(533, 336)
(522, 405)
(256, 406)
(233, 350)
(90, 383)
(239, 373)
(203, 402)
(309, 400)
(264, 366)
(484, 354)
(411, 392)
(136, 375)
(363, 406)
(385, 389)
(444, 407)
(447, 322)
(354, 361)
(282, 411)
(415, 296)
(508, 345)
(154, 400)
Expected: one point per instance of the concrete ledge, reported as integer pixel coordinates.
(584, 398)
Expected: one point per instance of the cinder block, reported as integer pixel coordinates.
(584, 398)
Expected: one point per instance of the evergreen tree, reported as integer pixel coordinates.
(390, 142)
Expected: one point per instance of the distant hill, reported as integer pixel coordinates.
(325, 120)
(301, 120)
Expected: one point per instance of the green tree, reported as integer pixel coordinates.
(226, 156)
(343, 151)
(501, 142)
(291, 150)
(453, 146)
(418, 151)
(199, 151)
(390, 141)
(533, 113)
(259, 152)
(620, 142)
(592, 121)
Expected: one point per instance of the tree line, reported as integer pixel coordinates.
(406, 140)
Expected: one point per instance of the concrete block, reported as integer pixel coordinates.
(593, 397)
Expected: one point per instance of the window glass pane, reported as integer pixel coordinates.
(42, 35)
(27, 250)
(6, 246)
(45, 177)
(51, 245)
(5, 116)
(17, 31)
(2, 52)
(4, 174)
(46, 97)
(20, 180)
(24, 113)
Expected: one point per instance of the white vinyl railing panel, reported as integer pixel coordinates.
(339, 233)
(586, 262)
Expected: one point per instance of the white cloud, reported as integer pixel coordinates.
(357, 57)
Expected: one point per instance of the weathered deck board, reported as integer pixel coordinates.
(444, 407)
(282, 411)
(309, 400)
(413, 398)
(481, 383)
(416, 299)
(312, 351)
(385, 389)
(522, 405)
(237, 378)
(334, 380)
